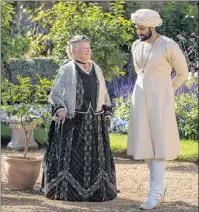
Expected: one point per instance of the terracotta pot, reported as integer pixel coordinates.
(22, 173)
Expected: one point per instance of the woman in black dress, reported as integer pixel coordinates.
(78, 164)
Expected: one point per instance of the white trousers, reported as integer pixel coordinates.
(157, 176)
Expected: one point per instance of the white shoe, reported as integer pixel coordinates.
(151, 203)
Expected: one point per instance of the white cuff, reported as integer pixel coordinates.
(60, 109)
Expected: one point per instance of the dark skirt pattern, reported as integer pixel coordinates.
(86, 168)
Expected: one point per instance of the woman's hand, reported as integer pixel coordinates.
(61, 114)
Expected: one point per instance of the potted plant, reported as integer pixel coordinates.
(21, 100)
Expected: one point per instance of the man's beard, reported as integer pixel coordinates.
(147, 36)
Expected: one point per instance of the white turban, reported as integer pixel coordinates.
(146, 17)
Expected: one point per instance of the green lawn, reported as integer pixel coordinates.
(189, 148)
(118, 142)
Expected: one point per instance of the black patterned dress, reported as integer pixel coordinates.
(86, 171)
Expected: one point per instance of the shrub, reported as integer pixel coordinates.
(186, 107)
(119, 126)
(122, 108)
(45, 67)
(178, 18)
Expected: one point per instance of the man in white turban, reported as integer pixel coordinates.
(153, 132)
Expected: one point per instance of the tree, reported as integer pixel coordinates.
(11, 45)
(22, 100)
(7, 12)
(109, 31)
(178, 18)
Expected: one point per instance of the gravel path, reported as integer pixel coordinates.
(132, 180)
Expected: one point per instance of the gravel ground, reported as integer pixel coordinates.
(132, 181)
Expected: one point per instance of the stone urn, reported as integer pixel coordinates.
(18, 137)
(22, 173)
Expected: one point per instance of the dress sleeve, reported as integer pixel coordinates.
(178, 61)
(107, 107)
(56, 92)
(56, 108)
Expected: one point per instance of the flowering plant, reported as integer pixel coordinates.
(119, 126)
(186, 108)
(189, 46)
(120, 87)
(186, 97)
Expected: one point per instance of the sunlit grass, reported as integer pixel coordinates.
(189, 148)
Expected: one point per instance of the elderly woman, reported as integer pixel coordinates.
(78, 164)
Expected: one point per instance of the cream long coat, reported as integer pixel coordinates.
(152, 131)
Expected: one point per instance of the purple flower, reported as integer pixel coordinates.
(121, 87)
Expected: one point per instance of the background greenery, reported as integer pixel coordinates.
(10, 46)
(186, 109)
(45, 67)
(109, 28)
(179, 17)
(189, 148)
(33, 50)
(108, 31)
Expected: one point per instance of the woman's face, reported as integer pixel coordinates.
(82, 51)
